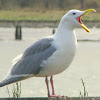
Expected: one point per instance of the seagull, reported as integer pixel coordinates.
(50, 55)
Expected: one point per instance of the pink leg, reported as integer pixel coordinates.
(51, 81)
(46, 80)
(53, 92)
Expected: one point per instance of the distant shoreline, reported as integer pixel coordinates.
(41, 24)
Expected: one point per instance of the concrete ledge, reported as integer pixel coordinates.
(43, 98)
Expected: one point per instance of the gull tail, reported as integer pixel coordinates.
(11, 80)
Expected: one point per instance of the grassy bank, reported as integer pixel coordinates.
(54, 15)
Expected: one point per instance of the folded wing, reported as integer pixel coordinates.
(28, 64)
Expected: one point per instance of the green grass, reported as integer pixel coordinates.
(30, 15)
(24, 15)
(85, 92)
(16, 90)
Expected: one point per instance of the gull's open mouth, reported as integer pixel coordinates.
(80, 22)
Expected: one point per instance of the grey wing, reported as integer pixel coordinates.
(33, 57)
(39, 46)
(30, 62)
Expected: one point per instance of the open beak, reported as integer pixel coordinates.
(79, 19)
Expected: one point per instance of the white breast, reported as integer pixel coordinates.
(61, 59)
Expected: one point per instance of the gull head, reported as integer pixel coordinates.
(73, 18)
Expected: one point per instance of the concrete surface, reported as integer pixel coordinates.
(72, 98)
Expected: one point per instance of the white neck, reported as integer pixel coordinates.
(65, 35)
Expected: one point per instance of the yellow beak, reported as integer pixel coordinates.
(86, 12)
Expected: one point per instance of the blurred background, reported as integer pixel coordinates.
(48, 10)
(22, 22)
(48, 4)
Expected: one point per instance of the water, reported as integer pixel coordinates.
(86, 64)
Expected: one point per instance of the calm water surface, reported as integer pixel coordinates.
(86, 64)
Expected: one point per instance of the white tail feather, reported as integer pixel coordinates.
(15, 60)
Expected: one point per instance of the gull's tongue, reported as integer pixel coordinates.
(79, 19)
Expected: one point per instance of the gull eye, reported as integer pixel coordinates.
(74, 13)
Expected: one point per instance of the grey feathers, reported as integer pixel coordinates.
(39, 46)
(31, 60)
(33, 57)
(11, 80)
